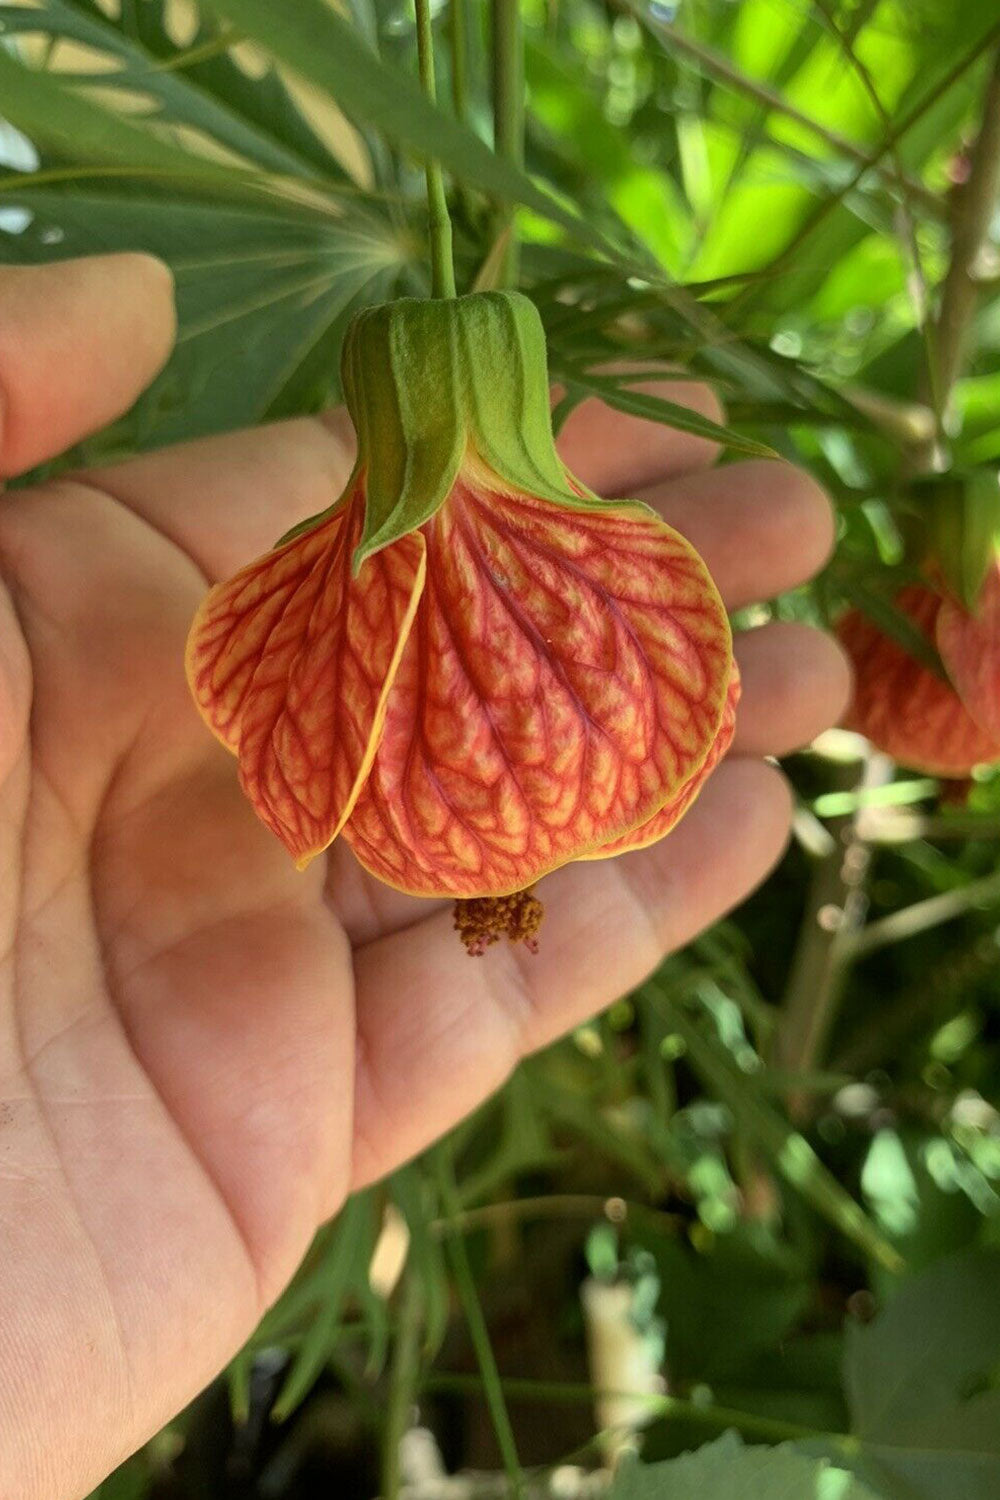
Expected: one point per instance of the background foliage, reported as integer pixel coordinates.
(786, 1145)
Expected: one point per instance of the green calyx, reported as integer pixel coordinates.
(427, 381)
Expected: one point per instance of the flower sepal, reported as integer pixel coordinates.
(432, 385)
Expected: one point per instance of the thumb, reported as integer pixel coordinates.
(79, 341)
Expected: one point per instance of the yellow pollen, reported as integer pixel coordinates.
(484, 920)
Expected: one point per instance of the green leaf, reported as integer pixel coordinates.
(343, 1272)
(747, 1268)
(412, 1192)
(726, 1468)
(917, 1380)
(519, 1141)
(964, 528)
(57, 118)
(199, 85)
(656, 409)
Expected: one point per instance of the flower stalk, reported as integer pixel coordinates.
(458, 29)
(508, 114)
(438, 218)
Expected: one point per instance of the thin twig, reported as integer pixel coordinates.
(835, 911)
(559, 1206)
(720, 68)
(975, 203)
(906, 195)
(903, 825)
(923, 915)
(788, 257)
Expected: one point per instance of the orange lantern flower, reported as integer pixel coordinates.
(469, 666)
(944, 725)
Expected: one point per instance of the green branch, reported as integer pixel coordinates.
(976, 203)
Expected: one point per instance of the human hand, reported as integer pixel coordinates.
(201, 1050)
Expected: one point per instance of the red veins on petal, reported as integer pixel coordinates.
(970, 648)
(671, 813)
(566, 676)
(290, 663)
(903, 707)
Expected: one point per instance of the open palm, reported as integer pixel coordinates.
(202, 1051)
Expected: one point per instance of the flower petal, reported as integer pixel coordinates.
(970, 648)
(565, 677)
(671, 813)
(291, 663)
(901, 706)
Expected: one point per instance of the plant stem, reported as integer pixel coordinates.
(716, 1418)
(508, 111)
(559, 1206)
(917, 277)
(438, 220)
(458, 34)
(835, 910)
(923, 915)
(975, 203)
(478, 1332)
(902, 825)
(833, 933)
(403, 1377)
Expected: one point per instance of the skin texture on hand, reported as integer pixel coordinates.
(202, 1050)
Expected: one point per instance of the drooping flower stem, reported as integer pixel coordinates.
(508, 110)
(438, 219)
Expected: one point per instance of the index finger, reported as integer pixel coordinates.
(79, 340)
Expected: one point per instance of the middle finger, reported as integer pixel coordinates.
(762, 526)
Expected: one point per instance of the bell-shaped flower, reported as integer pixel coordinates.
(947, 724)
(470, 667)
